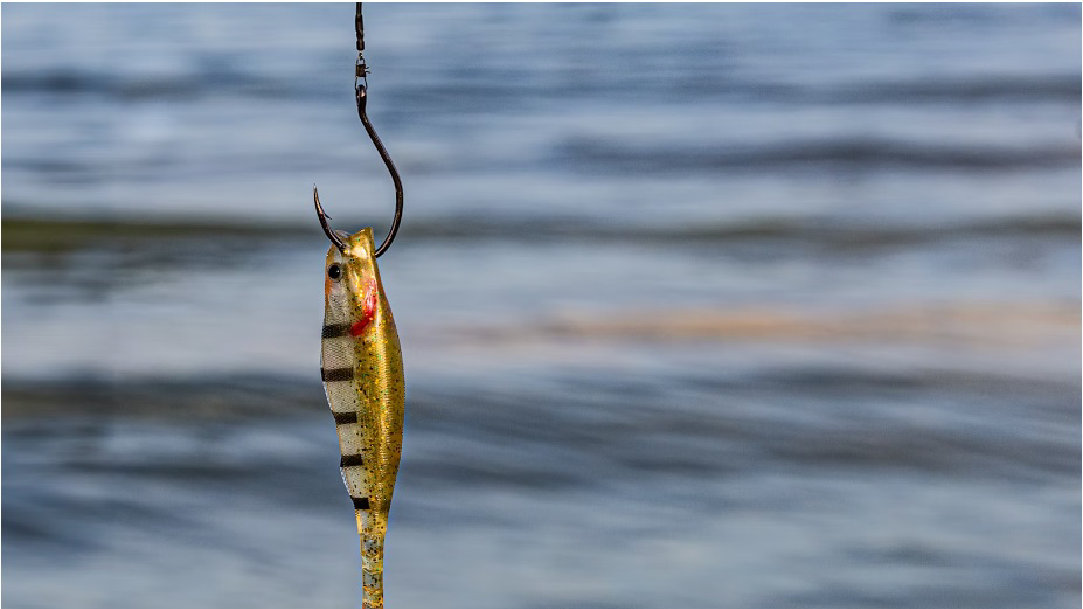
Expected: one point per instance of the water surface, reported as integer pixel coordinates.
(701, 305)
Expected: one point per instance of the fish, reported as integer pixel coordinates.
(362, 372)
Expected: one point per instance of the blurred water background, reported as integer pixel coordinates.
(761, 306)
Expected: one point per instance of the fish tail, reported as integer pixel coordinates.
(372, 559)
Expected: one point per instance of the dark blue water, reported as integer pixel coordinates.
(701, 305)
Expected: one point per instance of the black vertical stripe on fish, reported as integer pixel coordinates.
(360, 503)
(336, 374)
(344, 418)
(351, 460)
(335, 330)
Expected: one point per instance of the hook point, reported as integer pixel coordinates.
(323, 217)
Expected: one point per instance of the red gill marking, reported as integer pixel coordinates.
(368, 309)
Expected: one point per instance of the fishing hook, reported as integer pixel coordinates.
(361, 72)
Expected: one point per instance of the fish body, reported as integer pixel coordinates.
(361, 367)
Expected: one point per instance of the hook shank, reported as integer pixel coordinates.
(362, 98)
(361, 94)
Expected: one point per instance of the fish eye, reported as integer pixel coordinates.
(334, 271)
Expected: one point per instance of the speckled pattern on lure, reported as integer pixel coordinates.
(361, 366)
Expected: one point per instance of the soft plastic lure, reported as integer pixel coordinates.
(361, 366)
(361, 363)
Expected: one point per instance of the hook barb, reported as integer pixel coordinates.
(323, 221)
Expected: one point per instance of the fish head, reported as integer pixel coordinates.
(352, 281)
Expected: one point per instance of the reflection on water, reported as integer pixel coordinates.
(711, 305)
